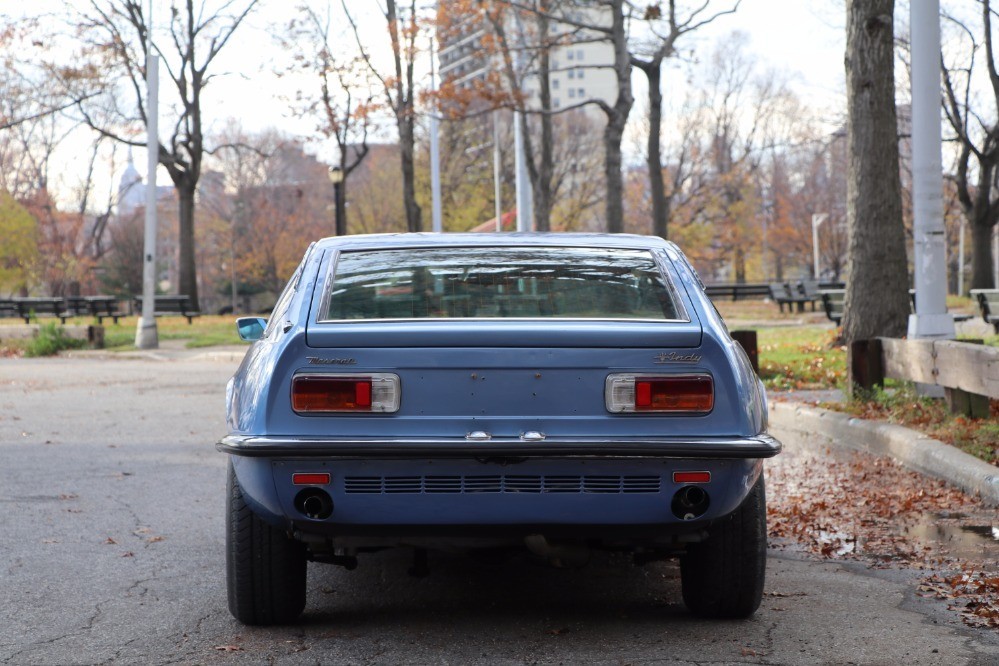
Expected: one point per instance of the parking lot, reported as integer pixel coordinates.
(112, 497)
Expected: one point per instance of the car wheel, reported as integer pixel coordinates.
(265, 569)
(722, 576)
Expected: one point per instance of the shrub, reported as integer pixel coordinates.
(51, 340)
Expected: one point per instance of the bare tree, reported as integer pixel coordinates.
(977, 133)
(400, 92)
(665, 30)
(344, 103)
(114, 34)
(877, 299)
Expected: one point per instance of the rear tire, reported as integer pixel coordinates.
(265, 569)
(723, 575)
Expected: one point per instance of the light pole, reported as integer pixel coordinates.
(817, 220)
(339, 218)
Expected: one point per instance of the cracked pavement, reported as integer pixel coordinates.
(111, 551)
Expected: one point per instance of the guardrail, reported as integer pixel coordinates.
(967, 371)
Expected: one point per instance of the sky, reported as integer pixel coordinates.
(801, 39)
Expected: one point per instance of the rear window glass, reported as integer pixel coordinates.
(500, 282)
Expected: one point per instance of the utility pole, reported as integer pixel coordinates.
(146, 334)
(931, 319)
(496, 171)
(817, 220)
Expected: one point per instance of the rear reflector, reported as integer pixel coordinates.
(691, 477)
(332, 393)
(687, 394)
(304, 479)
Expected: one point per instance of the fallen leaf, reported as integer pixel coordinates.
(228, 648)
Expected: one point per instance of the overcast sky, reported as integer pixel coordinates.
(803, 39)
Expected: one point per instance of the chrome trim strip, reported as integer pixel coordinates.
(758, 446)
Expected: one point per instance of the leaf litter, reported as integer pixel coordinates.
(854, 506)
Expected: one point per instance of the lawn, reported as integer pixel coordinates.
(205, 331)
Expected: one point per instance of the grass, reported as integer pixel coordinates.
(801, 357)
(902, 405)
(205, 331)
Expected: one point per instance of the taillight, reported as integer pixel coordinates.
(330, 393)
(688, 394)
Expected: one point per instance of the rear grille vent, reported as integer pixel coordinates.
(511, 483)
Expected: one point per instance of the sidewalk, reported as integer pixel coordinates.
(169, 350)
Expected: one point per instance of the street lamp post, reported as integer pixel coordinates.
(817, 220)
(339, 218)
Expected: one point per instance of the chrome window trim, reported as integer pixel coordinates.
(653, 252)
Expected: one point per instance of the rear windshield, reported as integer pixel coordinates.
(500, 282)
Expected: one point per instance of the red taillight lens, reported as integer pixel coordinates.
(691, 477)
(345, 393)
(689, 394)
(307, 479)
(674, 394)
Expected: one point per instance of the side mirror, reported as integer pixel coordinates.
(251, 328)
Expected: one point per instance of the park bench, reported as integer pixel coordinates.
(100, 307)
(781, 295)
(792, 294)
(832, 303)
(41, 306)
(169, 305)
(988, 304)
(736, 291)
(7, 308)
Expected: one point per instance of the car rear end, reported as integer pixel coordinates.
(471, 391)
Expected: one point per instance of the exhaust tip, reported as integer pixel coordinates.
(690, 502)
(314, 503)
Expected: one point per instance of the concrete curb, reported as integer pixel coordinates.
(910, 448)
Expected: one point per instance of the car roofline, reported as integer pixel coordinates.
(544, 239)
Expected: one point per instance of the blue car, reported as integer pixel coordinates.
(563, 392)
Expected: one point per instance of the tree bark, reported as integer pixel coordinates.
(617, 118)
(542, 181)
(982, 276)
(187, 280)
(660, 204)
(877, 299)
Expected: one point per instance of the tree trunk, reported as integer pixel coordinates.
(406, 152)
(877, 299)
(660, 204)
(982, 276)
(617, 118)
(187, 282)
(614, 206)
(543, 181)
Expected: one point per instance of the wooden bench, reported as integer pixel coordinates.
(101, 307)
(832, 303)
(988, 304)
(736, 291)
(41, 306)
(781, 295)
(165, 306)
(833, 299)
(93, 306)
(7, 308)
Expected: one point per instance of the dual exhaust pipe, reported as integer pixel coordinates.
(689, 503)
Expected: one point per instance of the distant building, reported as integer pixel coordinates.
(132, 191)
(580, 69)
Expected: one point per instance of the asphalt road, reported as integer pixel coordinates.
(111, 551)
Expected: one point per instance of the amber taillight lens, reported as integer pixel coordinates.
(687, 394)
(323, 394)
